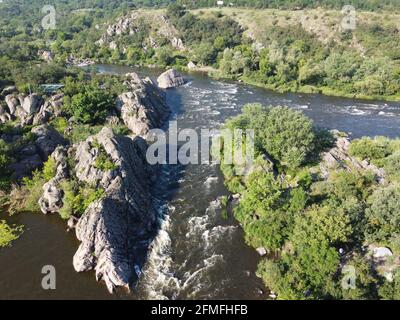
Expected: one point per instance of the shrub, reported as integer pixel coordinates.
(371, 149)
(60, 124)
(49, 169)
(8, 233)
(383, 215)
(78, 198)
(91, 105)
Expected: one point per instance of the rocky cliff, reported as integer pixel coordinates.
(120, 223)
(112, 227)
(143, 107)
(153, 24)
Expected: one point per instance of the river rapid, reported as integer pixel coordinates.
(199, 252)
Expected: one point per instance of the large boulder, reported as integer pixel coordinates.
(12, 103)
(31, 103)
(47, 140)
(170, 79)
(144, 107)
(25, 166)
(8, 90)
(112, 227)
(4, 115)
(52, 198)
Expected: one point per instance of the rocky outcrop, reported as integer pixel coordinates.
(47, 140)
(4, 115)
(142, 108)
(51, 200)
(191, 65)
(155, 25)
(51, 108)
(8, 90)
(45, 55)
(170, 79)
(338, 158)
(111, 227)
(31, 103)
(12, 103)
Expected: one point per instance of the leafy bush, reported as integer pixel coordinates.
(371, 149)
(104, 161)
(49, 169)
(60, 124)
(78, 198)
(91, 105)
(383, 215)
(8, 233)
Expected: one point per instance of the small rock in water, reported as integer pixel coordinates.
(261, 251)
(259, 291)
(170, 79)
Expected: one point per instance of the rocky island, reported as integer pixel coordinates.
(119, 219)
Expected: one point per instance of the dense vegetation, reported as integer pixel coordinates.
(362, 63)
(313, 226)
(300, 4)
(8, 233)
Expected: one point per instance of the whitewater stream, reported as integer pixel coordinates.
(199, 252)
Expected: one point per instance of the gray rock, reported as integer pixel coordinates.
(339, 158)
(4, 116)
(52, 198)
(25, 167)
(170, 79)
(261, 251)
(31, 103)
(111, 226)
(45, 55)
(8, 90)
(42, 116)
(71, 223)
(47, 140)
(12, 103)
(191, 65)
(144, 107)
(28, 150)
(381, 253)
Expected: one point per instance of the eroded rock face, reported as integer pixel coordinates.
(12, 103)
(31, 103)
(170, 79)
(339, 158)
(144, 107)
(47, 140)
(150, 23)
(51, 200)
(112, 226)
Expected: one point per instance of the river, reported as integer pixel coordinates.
(199, 253)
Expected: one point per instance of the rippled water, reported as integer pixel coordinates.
(198, 253)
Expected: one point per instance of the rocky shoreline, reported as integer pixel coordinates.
(121, 221)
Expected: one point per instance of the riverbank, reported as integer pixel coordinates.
(330, 92)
